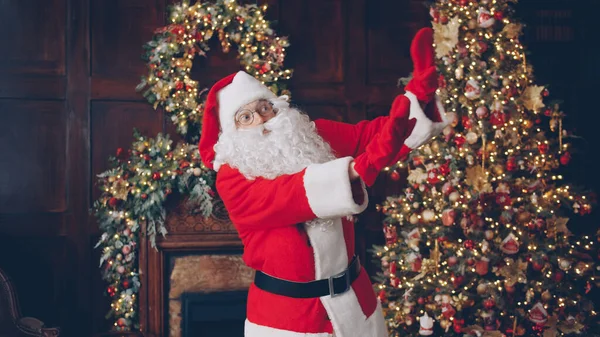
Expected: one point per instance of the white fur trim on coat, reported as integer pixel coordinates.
(376, 322)
(242, 90)
(425, 129)
(255, 330)
(328, 189)
(344, 310)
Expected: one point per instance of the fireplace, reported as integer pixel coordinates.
(214, 314)
(194, 283)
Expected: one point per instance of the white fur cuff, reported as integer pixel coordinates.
(425, 129)
(328, 189)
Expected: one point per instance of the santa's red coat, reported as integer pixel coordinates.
(270, 216)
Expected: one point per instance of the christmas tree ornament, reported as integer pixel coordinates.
(472, 89)
(426, 325)
(510, 244)
(538, 314)
(484, 18)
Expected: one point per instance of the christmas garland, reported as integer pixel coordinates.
(140, 179)
(170, 54)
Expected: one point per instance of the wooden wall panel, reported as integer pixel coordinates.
(34, 131)
(391, 24)
(317, 47)
(33, 36)
(112, 125)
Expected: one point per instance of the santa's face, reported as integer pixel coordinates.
(275, 139)
(254, 114)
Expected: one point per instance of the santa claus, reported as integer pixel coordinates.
(290, 185)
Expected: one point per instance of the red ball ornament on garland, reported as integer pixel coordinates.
(111, 291)
(120, 152)
(156, 176)
(395, 175)
(469, 244)
(543, 148)
(179, 85)
(464, 2)
(125, 284)
(489, 303)
(147, 157)
(498, 15)
(113, 202)
(144, 196)
(565, 158)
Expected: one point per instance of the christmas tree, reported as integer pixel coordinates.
(479, 243)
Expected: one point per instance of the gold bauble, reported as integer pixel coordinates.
(546, 296)
(435, 146)
(444, 323)
(498, 169)
(524, 217)
(259, 36)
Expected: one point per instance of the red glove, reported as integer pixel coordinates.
(421, 89)
(384, 149)
(425, 77)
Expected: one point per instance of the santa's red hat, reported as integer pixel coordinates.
(224, 99)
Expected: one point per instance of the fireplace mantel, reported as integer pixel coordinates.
(186, 233)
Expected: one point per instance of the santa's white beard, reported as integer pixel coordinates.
(290, 144)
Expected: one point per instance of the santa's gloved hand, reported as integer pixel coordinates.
(425, 77)
(426, 106)
(385, 147)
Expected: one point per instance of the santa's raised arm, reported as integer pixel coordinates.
(289, 185)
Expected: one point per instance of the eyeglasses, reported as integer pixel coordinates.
(264, 108)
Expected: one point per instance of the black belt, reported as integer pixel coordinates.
(334, 286)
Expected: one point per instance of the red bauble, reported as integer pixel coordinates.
(111, 291)
(511, 164)
(395, 176)
(469, 244)
(144, 196)
(464, 2)
(466, 122)
(546, 93)
(125, 283)
(537, 266)
(498, 15)
(543, 148)
(184, 164)
(459, 140)
(156, 176)
(489, 303)
(458, 280)
(444, 19)
(421, 300)
(565, 158)
(382, 296)
(147, 157)
(179, 85)
(458, 325)
(112, 202)
(120, 152)
(558, 276)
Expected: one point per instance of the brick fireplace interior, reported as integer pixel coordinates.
(194, 283)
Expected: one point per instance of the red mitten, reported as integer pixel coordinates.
(425, 78)
(383, 150)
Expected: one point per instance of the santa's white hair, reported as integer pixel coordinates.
(291, 144)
